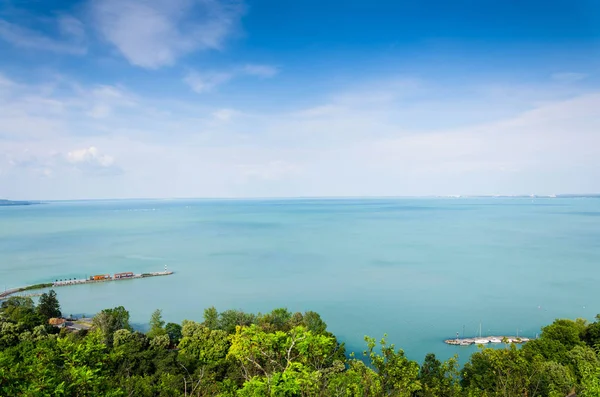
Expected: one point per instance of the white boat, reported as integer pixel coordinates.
(480, 340)
(495, 340)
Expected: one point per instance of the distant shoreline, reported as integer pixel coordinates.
(10, 203)
(300, 198)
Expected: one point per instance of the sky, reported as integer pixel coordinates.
(277, 98)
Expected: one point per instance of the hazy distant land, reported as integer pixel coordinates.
(7, 203)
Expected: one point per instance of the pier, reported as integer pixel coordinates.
(92, 280)
(486, 340)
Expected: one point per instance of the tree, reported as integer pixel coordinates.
(174, 332)
(272, 354)
(110, 320)
(230, 319)
(439, 379)
(556, 340)
(503, 372)
(591, 335)
(208, 346)
(314, 323)
(48, 306)
(277, 320)
(211, 318)
(18, 309)
(156, 325)
(552, 379)
(398, 375)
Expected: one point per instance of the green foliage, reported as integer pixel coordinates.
(21, 310)
(397, 374)
(277, 320)
(48, 306)
(591, 335)
(275, 354)
(174, 332)
(36, 286)
(157, 325)
(211, 318)
(502, 372)
(553, 379)
(108, 321)
(230, 319)
(313, 322)
(439, 379)
(207, 346)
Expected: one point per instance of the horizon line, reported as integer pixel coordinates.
(561, 195)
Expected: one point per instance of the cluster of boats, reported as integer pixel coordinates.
(485, 340)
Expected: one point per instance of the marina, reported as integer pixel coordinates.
(485, 340)
(90, 280)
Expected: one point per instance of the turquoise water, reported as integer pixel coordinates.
(419, 270)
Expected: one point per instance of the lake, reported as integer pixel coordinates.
(420, 270)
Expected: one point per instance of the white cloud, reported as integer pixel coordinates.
(6, 82)
(320, 111)
(91, 161)
(260, 70)
(224, 114)
(99, 111)
(104, 100)
(70, 42)
(201, 83)
(89, 156)
(385, 144)
(568, 77)
(71, 27)
(39, 164)
(155, 33)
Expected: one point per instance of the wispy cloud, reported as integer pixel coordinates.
(72, 27)
(568, 77)
(155, 33)
(88, 161)
(71, 38)
(91, 161)
(358, 142)
(260, 70)
(206, 82)
(90, 156)
(103, 100)
(225, 114)
(40, 165)
(201, 82)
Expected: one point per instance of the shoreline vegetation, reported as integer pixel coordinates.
(233, 353)
(6, 294)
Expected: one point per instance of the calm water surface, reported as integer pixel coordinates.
(419, 270)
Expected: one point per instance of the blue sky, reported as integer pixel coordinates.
(208, 98)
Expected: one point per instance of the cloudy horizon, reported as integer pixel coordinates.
(224, 98)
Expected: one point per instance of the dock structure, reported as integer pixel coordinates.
(92, 280)
(486, 340)
(118, 277)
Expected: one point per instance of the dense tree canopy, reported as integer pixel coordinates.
(48, 306)
(280, 353)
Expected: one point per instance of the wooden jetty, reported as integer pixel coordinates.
(63, 283)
